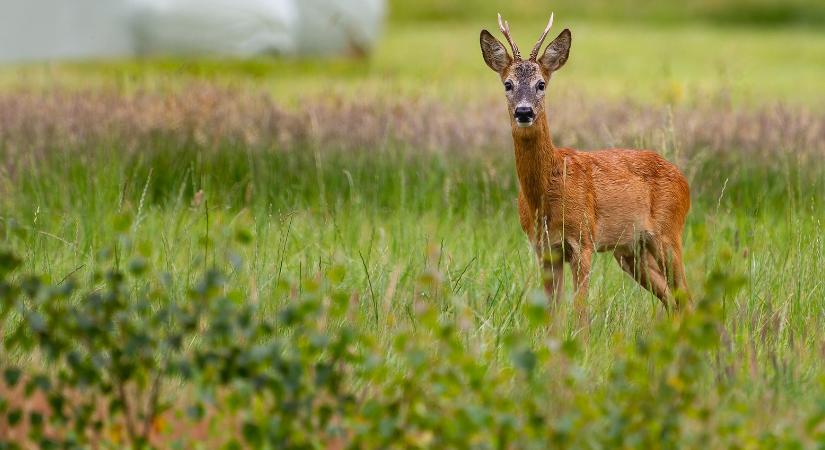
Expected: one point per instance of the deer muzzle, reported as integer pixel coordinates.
(524, 116)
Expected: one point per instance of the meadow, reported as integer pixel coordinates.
(375, 287)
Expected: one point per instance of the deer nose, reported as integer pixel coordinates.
(524, 114)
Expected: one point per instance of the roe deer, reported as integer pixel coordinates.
(572, 203)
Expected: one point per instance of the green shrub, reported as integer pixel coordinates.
(120, 355)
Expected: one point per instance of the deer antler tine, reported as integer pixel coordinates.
(504, 26)
(537, 48)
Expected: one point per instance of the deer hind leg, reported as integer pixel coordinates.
(678, 280)
(639, 267)
(658, 278)
(668, 259)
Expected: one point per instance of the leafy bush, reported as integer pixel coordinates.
(123, 360)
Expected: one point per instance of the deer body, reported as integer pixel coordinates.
(571, 203)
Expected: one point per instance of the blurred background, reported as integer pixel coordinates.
(749, 50)
(53, 29)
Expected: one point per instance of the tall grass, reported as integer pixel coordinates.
(344, 187)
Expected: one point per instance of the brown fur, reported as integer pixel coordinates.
(572, 203)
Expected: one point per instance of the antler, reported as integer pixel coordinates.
(535, 53)
(505, 29)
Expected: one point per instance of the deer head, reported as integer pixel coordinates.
(525, 82)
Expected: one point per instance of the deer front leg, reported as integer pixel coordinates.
(580, 259)
(553, 274)
(551, 257)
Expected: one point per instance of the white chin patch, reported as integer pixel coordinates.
(524, 124)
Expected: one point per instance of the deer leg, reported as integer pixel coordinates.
(629, 263)
(678, 282)
(637, 266)
(668, 260)
(553, 274)
(580, 259)
(657, 279)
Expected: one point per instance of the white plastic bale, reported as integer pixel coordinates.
(70, 29)
(338, 26)
(222, 27)
(63, 29)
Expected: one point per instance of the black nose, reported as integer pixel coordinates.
(524, 113)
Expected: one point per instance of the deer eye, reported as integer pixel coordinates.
(540, 86)
(508, 85)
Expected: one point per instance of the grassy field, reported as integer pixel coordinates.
(682, 63)
(753, 13)
(394, 177)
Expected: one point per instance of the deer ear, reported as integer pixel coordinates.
(494, 53)
(555, 55)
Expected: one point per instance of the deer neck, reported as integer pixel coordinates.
(535, 159)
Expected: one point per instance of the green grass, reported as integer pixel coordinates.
(388, 223)
(311, 209)
(648, 63)
(724, 12)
